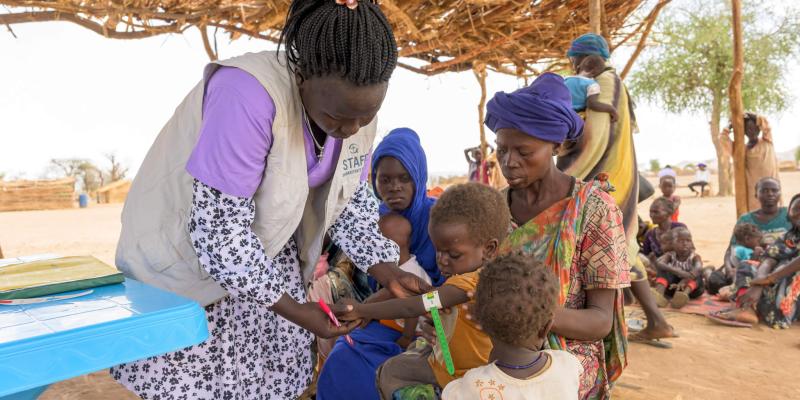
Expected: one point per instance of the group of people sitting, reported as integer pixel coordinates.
(523, 315)
(759, 272)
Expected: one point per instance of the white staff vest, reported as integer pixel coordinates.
(154, 245)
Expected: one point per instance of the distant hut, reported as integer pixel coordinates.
(37, 195)
(114, 192)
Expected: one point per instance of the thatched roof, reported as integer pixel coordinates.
(114, 185)
(444, 35)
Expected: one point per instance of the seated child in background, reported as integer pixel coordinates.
(515, 303)
(397, 229)
(667, 185)
(585, 90)
(680, 271)
(649, 265)
(746, 252)
(466, 226)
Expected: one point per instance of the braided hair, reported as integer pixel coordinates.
(322, 37)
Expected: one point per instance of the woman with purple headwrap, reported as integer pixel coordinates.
(574, 227)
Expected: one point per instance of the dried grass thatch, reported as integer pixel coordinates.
(513, 37)
(37, 195)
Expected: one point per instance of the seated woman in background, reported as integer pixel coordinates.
(771, 219)
(773, 296)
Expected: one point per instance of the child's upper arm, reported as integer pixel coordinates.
(698, 261)
(451, 295)
(592, 90)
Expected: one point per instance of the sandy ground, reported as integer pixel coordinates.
(707, 362)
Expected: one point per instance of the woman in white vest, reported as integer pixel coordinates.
(231, 205)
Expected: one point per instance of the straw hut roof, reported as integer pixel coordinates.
(113, 185)
(521, 38)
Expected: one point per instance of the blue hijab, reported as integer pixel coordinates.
(542, 110)
(588, 45)
(403, 144)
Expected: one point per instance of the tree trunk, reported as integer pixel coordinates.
(725, 172)
(737, 111)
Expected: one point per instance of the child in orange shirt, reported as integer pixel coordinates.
(667, 184)
(467, 225)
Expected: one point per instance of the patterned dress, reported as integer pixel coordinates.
(582, 239)
(251, 352)
(778, 306)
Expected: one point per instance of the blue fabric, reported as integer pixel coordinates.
(403, 144)
(349, 372)
(588, 45)
(742, 253)
(542, 110)
(578, 88)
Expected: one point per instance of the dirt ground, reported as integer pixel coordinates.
(707, 362)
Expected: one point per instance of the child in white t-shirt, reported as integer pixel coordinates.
(515, 302)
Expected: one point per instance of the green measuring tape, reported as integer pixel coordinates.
(433, 304)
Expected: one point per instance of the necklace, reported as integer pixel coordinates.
(318, 146)
(526, 366)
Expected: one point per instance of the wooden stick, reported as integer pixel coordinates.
(595, 15)
(651, 20)
(737, 110)
(207, 44)
(480, 74)
(42, 16)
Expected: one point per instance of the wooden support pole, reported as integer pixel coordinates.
(480, 73)
(595, 16)
(737, 110)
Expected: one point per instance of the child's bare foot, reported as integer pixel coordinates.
(679, 299)
(747, 315)
(725, 293)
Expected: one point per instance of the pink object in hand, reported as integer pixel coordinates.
(327, 310)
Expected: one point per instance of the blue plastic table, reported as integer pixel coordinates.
(48, 342)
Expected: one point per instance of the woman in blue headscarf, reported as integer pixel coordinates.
(399, 178)
(573, 227)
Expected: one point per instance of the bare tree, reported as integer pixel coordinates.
(86, 173)
(117, 171)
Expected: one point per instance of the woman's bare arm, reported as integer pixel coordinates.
(590, 323)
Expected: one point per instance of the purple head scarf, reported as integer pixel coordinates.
(542, 110)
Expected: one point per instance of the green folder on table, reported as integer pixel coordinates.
(24, 280)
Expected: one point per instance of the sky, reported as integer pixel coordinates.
(66, 92)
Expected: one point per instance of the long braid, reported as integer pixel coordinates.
(322, 37)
